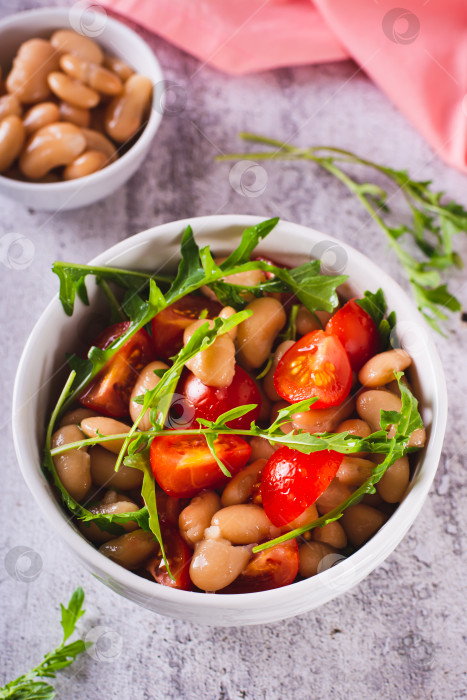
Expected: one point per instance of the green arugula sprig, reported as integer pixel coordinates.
(433, 226)
(27, 687)
(196, 269)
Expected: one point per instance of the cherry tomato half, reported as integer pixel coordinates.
(168, 325)
(109, 392)
(272, 568)
(292, 481)
(357, 332)
(178, 556)
(183, 464)
(316, 365)
(210, 402)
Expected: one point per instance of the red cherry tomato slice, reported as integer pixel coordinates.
(292, 481)
(109, 392)
(357, 332)
(209, 402)
(168, 325)
(178, 556)
(272, 568)
(183, 464)
(316, 365)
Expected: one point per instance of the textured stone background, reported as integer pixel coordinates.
(402, 632)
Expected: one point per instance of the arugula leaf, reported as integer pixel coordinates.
(72, 613)
(250, 239)
(72, 281)
(375, 307)
(26, 687)
(148, 492)
(433, 226)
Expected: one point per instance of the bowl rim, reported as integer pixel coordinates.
(331, 582)
(146, 135)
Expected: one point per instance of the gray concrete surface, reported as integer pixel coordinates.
(399, 634)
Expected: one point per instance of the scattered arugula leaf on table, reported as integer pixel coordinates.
(27, 686)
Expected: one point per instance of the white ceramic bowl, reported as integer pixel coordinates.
(37, 386)
(121, 41)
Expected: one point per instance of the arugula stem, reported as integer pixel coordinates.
(429, 218)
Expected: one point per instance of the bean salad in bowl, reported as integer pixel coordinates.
(236, 427)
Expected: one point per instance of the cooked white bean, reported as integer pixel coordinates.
(103, 471)
(371, 403)
(354, 426)
(73, 467)
(146, 380)
(196, 517)
(360, 522)
(335, 494)
(305, 518)
(76, 415)
(260, 449)
(244, 523)
(332, 534)
(393, 484)
(307, 322)
(323, 420)
(417, 438)
(310, 555)
(268, 381)
(93, 532)
(239, 487)
(216, 563)
(354, 471)
(214, 366)
(105, 426)
(256, 334)
(130, 550)
(379, 370)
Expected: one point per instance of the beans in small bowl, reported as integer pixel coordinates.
(68, 107)
(71, 108)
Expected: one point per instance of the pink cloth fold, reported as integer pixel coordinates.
(416, 54)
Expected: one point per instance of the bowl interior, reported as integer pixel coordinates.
(42, 369)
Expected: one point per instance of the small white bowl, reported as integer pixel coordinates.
(42, 368)
(117, 39)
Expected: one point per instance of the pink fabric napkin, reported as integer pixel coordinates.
(416, 54)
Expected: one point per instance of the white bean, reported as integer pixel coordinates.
(360, 522)
(371, 403)
(73, 467)
(130, 550)
(196, 517)
(216, 563)
(146, 380)
(93, 532)
(310, 555)
(103, 471)
(239, 487)
(393, 484)
(256, 334)
(105, 426)
(379, 369)
(244, 523)
(214, 366)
